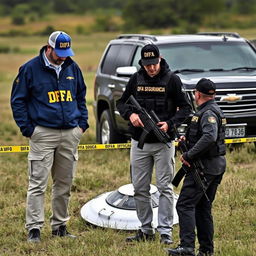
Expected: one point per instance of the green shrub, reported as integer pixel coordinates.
(82, 30)
(19, 14)
(15, 32)
(47, 31)
(5, 49)
(185, 29)
(105, 23)
(18, 19)
(8, 49)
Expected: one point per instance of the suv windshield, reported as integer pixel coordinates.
(204, 56)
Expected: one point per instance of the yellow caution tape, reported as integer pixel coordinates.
(104, 146)
(82, 147)
(15, 149)
(240, 140)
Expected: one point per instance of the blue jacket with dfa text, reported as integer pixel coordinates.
(40, 97)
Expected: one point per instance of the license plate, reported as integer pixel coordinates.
(232, 132)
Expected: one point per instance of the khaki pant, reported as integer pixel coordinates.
(51, 151)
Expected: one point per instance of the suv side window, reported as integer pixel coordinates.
(125, 55)
(108, 64)
(117, 56)
(137, 58)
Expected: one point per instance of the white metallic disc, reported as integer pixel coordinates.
(98, 212)
(127, 189)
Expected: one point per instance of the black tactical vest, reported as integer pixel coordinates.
(153, 95)
(195, 132)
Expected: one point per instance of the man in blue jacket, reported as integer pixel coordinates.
(48, 104)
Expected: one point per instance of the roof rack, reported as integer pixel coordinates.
(231, 34)
(138, 36)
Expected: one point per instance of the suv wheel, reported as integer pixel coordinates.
(107, 133)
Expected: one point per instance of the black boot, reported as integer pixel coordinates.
(166, 239)
(205, 253)
(182, 251)
(62, 231)
(34, 235)
(140, 237)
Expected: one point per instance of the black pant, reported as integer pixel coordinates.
(195, 211)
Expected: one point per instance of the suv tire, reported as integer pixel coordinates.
(107, 133)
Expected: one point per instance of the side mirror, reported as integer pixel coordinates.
(126, 71)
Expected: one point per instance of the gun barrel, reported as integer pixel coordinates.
(153, 114)
(135, 102)
(199, 181)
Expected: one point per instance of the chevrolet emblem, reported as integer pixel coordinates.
(231, 98)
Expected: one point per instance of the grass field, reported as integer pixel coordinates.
(101, 171)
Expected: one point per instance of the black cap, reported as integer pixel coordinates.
(149, 55)
(206, 86)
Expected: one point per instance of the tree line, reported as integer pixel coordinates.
(146, 13)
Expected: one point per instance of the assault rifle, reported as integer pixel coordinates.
(196, 168)
(150, 121)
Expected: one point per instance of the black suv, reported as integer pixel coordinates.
(225, 58)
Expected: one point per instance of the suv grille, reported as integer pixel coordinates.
(240, 102)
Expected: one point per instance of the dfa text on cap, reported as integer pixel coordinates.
(149, 55)
(61, 43)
